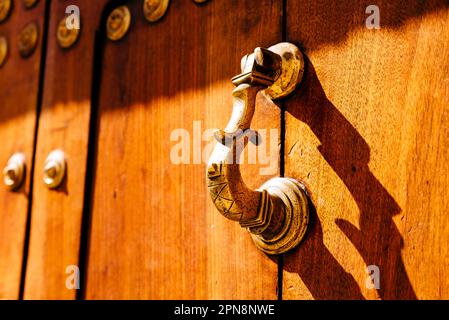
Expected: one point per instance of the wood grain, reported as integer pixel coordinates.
(19, 86)
(367, 132)
(155, 233)
(64, 124)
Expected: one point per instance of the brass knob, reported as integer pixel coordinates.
(118, 23)
(29, 3)
(5, 9)
(55, 169)
(3, 50)
(14, 172)
(154, 10)
(28, 39)
(66, 37)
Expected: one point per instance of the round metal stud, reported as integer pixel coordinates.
(5, 9)
(55, 168)
(66, 37)
(199, 1)
(154, 10)
(118, 23)
(14, 172)
(296, 219)
(28, 40)
(30, 3)
(3, 50)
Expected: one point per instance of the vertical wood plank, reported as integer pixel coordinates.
(367, 132)
(64, 124)
(155, 233)
(19, 86)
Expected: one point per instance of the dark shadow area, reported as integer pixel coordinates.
(322, 274)
(189, 47)
(91, 163)
(378, 240)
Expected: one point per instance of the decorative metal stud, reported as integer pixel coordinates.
(3, 50)
(30, 3)
(66, 37)
(28, 40)
(5, 9)
(14, 172)
(118, 23)
(199, 1)
(154, 10)
(55, 168)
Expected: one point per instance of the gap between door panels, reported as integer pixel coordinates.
(39, 101)
(91, 163)
(282, 148)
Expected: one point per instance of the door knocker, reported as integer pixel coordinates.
(277, 214)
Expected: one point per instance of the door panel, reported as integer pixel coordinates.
(64, 124)
(19, 87)
(367, 132)
(155, 233)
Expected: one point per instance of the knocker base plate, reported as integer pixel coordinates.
(293, 195)
(291, 73)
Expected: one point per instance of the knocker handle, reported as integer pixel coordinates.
(277, 214)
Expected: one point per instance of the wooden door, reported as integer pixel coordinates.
(155, 233)
(367, 132)
(19, 97)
